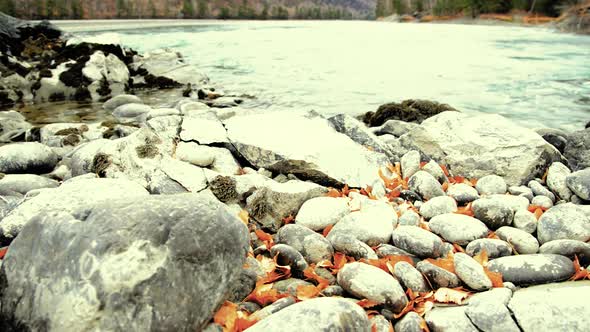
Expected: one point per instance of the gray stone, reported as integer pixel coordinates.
(275, 307)
(514, 202)
(553, 307)
(289, 286)
(458, 228)
(410, 322)
(319, 314)
(523, 191)
(564, 221)
(23, 183)
(131, 111)
(384, 250)
(492, 296)
(409, 218)
(449, 319)
(394, 127)
(29, 157)
(417, 241)
(490, 185)
(242, 286)
(437, 206)
(380, 324)
(425, 185)
(288, 255)
(314, 247)
(206, 129)
(539, 190)
(471, 272)
(372, 225)
(542, 201)
(579, 183)
(333, 290)
(533, 269)
(321, 212)
(521, 241)
(438, 276)
(567, 248)
(435, 170)
(492, 317)
(410, 163)
(462, 193)
(494, 248)
(195, 154)
(410, 277)
(577, 150)
(350, 246)
(116, 262)
(358, 132)
(525, 221)
(493, 212)
(120, 100)
(556, 180)
(369, 282)
(14, 125)
(476, 146)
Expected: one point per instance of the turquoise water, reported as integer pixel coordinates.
(537, 77)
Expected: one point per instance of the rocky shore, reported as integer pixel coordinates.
(204, 216)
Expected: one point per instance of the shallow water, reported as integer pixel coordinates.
(537, 77)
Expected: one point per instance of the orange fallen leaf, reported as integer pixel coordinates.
(482, 258)
(226, 316)
(445, 170)
(422, 164)
(419, 303)
(466, 210)
(445, 186)
(457, 179)
(538, 213)
(532, 208)
(244, 216)
(327, 230)
(264, 294)
(449, 295)
(495, 277)
(458, 248)
(265, 238)
(492, 235)
(366, 303)
(289, 219)
(473, 182)
(310, 274)
(306, 292)
(334, 193)
(447, 263)
(581, 273)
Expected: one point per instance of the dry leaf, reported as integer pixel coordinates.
(444, 263)
(445, 170)
(226, 316)
(244, 216)
(310, 274)
(289, 219)
(458, 248)
(581, 273)
(334, 193)
(306, 292)
(327, 230)
(366, 303)
(448, 295)
(264, 294)
(265, 238)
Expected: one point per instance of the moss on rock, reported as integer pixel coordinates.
(100, 163)
(411, 110)
(224, 188)
(147, 150)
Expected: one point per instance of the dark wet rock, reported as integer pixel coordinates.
(437, 206)
(352, 247)
(14, 31)
(533, 269)
(577, 150)
(319, 314)
(569, 248)
(314, 247)
(417, 241)
(553, 307)
(359, 133)
(521, 241)
(564, 221)
(494, 248)
(242, 286)
(441, 319)
(579, 183)
(407, 111)
(471, 272)
(493, 212)
(425, 185)
(410, 277)
(29, 157)
(458, 228)
(559, 142)
(438, 276)
(165, 68)
(369, 282)
(23, 183)
(556, 180)
(140, 246)
(476, 146)
(321, 212)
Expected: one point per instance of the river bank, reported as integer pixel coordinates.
(198, 214)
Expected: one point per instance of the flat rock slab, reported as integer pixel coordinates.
(304, 145)
(553, 307)
(533, 269)
(125, 264)
(476, 146)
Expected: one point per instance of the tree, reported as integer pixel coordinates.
(76, 9)
(187, 9)
(264, 13)
(122, 9)
(380, 9)
(203, 9)
(224, 13)
(7, 6)
(50, 7)
(152, 9)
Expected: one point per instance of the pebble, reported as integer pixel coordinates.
(525, 221)
(462, 193)
(410, 322)
(321, 212)
(521, 241)
(542, 201)
(314, 247)
(523, 191)
(28, 157)
(437, 276)
(494, 212)
(539, 189)
(425, 185)
(417, 241)
(494, 248)
(289, 285)
(380, 324)
(272, 308)
(435, 170)
(410, 163)
(437, 206)
(410, 277)
(471, 272)
(458, 228)
(567, 248)
(287, 255)
(556, 180)
(449, 319)
(384, 250)
(409, 218)
(533, 269)
(564, 221)
(350, 246)
(119, 100)
(579, 183)
(491, 184)
(491, 317)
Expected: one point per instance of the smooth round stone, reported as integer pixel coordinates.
(380, 324)
(409, 218)
(410, 277)
(350, 246)
(120, 100)
(333, 290)
(494, 248)
(131, 110)
(437, 276)
(319, 314)
(525, 221)
(458, 228)
(384, 250)
(556, 180)
(369, 282)
(28, 157)
(314, 247)
(542, 201)
(277, 306)
(462, 193)
(321, 212)
(579, 183)
(523, 191)
(521, 241)
(23, 183)
(410, 163)
(514, 202)
(417, 241)
(372, 225)
(493, 212)
(567, 248)
(195, 154)
(539, 189)
(290, 285)
(471, 272)
(410, 322)
(533, 269)
(491, 184)
(564, 221)
(437, 206)
(425, 185)
(434, 169)
(287, 255)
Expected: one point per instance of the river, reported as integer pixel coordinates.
(537, 77)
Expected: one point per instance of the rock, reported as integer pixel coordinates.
(514, 202)
(410, 163)
(369, 282)
(471, 272)
(29, 157)
(120, 100)
(476, 146)
(372, 225)
(417, 241)
(333, 290)
(533, 269)
(494, 248)
(493, 212)
(131, 112)
(425, 185)
(491, 317)
(275, 201)
(521, 241)
(380, 324)
(553, 307)
(314, 247)
(559, 142)
(577, 150)
(14, 126)
(287, 255)
(579, 183)
(140, 246)
(410, 277)
(68, 197)
(409, 218)
(319, 314)
(109, 76)
(435, 170)
(569, 248)
(350, 246)
(359, 133)
(491, 184)
(438, 276)
(441, 319)
(408, 111)
(205, 129)
(160, 112)
(539, 190)
(316, 156)
(410, 322)
(195, 154)
(275, 307)
(542, 201)
(523, 191)
(437, 206)
(556, 176)
(225, 102)
(244, 285)
(384, 250)
(458, 228)
(525, 221)
(394, 127)
(321, 212)
(412, 196)
(289, 286)
(462, 193)
(23, 183)
(564, 221)
(166, 68)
